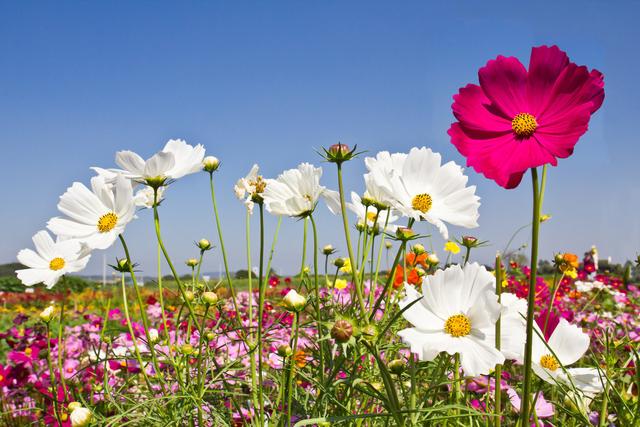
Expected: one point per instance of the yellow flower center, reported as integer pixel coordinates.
(549, 362)
(422, 202)
(371, 216)
(56, 264)
(458, 325)
(107, 222)
(28, 351)
(524, 124)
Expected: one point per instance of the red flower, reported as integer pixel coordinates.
(518, 119)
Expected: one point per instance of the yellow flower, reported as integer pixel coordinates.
(340, 284)
(452, 247)
(346, 268)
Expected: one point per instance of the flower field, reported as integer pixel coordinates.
(394, 333)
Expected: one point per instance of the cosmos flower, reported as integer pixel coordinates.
(95, 217)
(372, 213)
(518, 119)
(456, 313)
(144, 197)
(250, 188)
(420, 187)
(568, 344)
(51, 260)
(296, 192)
(176, 160)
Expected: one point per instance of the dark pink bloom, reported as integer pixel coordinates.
(518, 119)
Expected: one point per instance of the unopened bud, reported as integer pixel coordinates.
(153, 335)
(418, 249)
(203, 244)
(186, 349)
(293, 301)
(284, 350)
(191, 262)
(338, 262)
(188, 296)
(404, 233)
(47, 314)
(210, 164)
(397, 366)
(210, 298)
(328, 250)
(342, 331)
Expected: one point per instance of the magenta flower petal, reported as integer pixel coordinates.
(504, 82)
(473, 106)
(545, 66)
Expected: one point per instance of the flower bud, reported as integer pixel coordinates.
(469, 241)
(328, 250)
(397, 366)
(342, 331)
(210, 298)
(433, 259)
(418, 249)
(210, 336)
(47, 314)
(367, 200)
(360, 226)
(339, 153)
(188, 296)
(153, 335)
(204, 244)
(73, 406)
(339, 149)
(293, 301)
(191, 262)
(338, 262)
(388, 244)
(210, 164)
(186, 349)
(404, 233)
(80, 416)
(544, 218)
(284, 350)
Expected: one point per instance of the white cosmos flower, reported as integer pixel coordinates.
(97, 216)
(250, 187)
(50, 260)
(369, 213)
(176, 160)
(513, 327)
(296, 192)
(569, 343)
(457, 313)
(144, 197)
(420, 187)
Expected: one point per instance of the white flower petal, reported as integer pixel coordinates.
(568, 342)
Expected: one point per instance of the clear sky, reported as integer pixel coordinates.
(268, 82)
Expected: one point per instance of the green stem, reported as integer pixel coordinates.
(222, 247)
(316, 293)
(54, 385)
(304, 246)
(143, 312)
(292, 367)
(526, 391)
(61, 346)
(498, 370)
(252, 360)
(466, 256)
(261, 295)
(345, 223)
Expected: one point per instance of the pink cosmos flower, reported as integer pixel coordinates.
(518, 119)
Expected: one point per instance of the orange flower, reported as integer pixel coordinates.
(413, 260)
(413, 278)
(571, 259)
(300, 358)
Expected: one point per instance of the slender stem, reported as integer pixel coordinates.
(526, 391)
(498, 370)
(292, 367)
(261, 293)
(143, 312)
(252, 358)
(61, 346)
(52, 373)
(352, 260)
(387, 285)
(466, 256)
(556, 286)
(304, 246)
(222, 247)
(161, 295)
(457, 393)
(125, 303)
(316, 293)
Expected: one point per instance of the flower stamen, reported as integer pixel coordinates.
(524, 125)
(422, 202)
(107, 222)
(56, 264)
(549, 362)
(458, 325)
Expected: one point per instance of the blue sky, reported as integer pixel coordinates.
(268, 82)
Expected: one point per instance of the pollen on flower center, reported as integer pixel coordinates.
(524, 125)
(56, 264)
(107, 222)
(371, 216)
(549, 362)
(458, 325)
(422, 202)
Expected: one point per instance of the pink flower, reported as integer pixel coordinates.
(518, 119)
